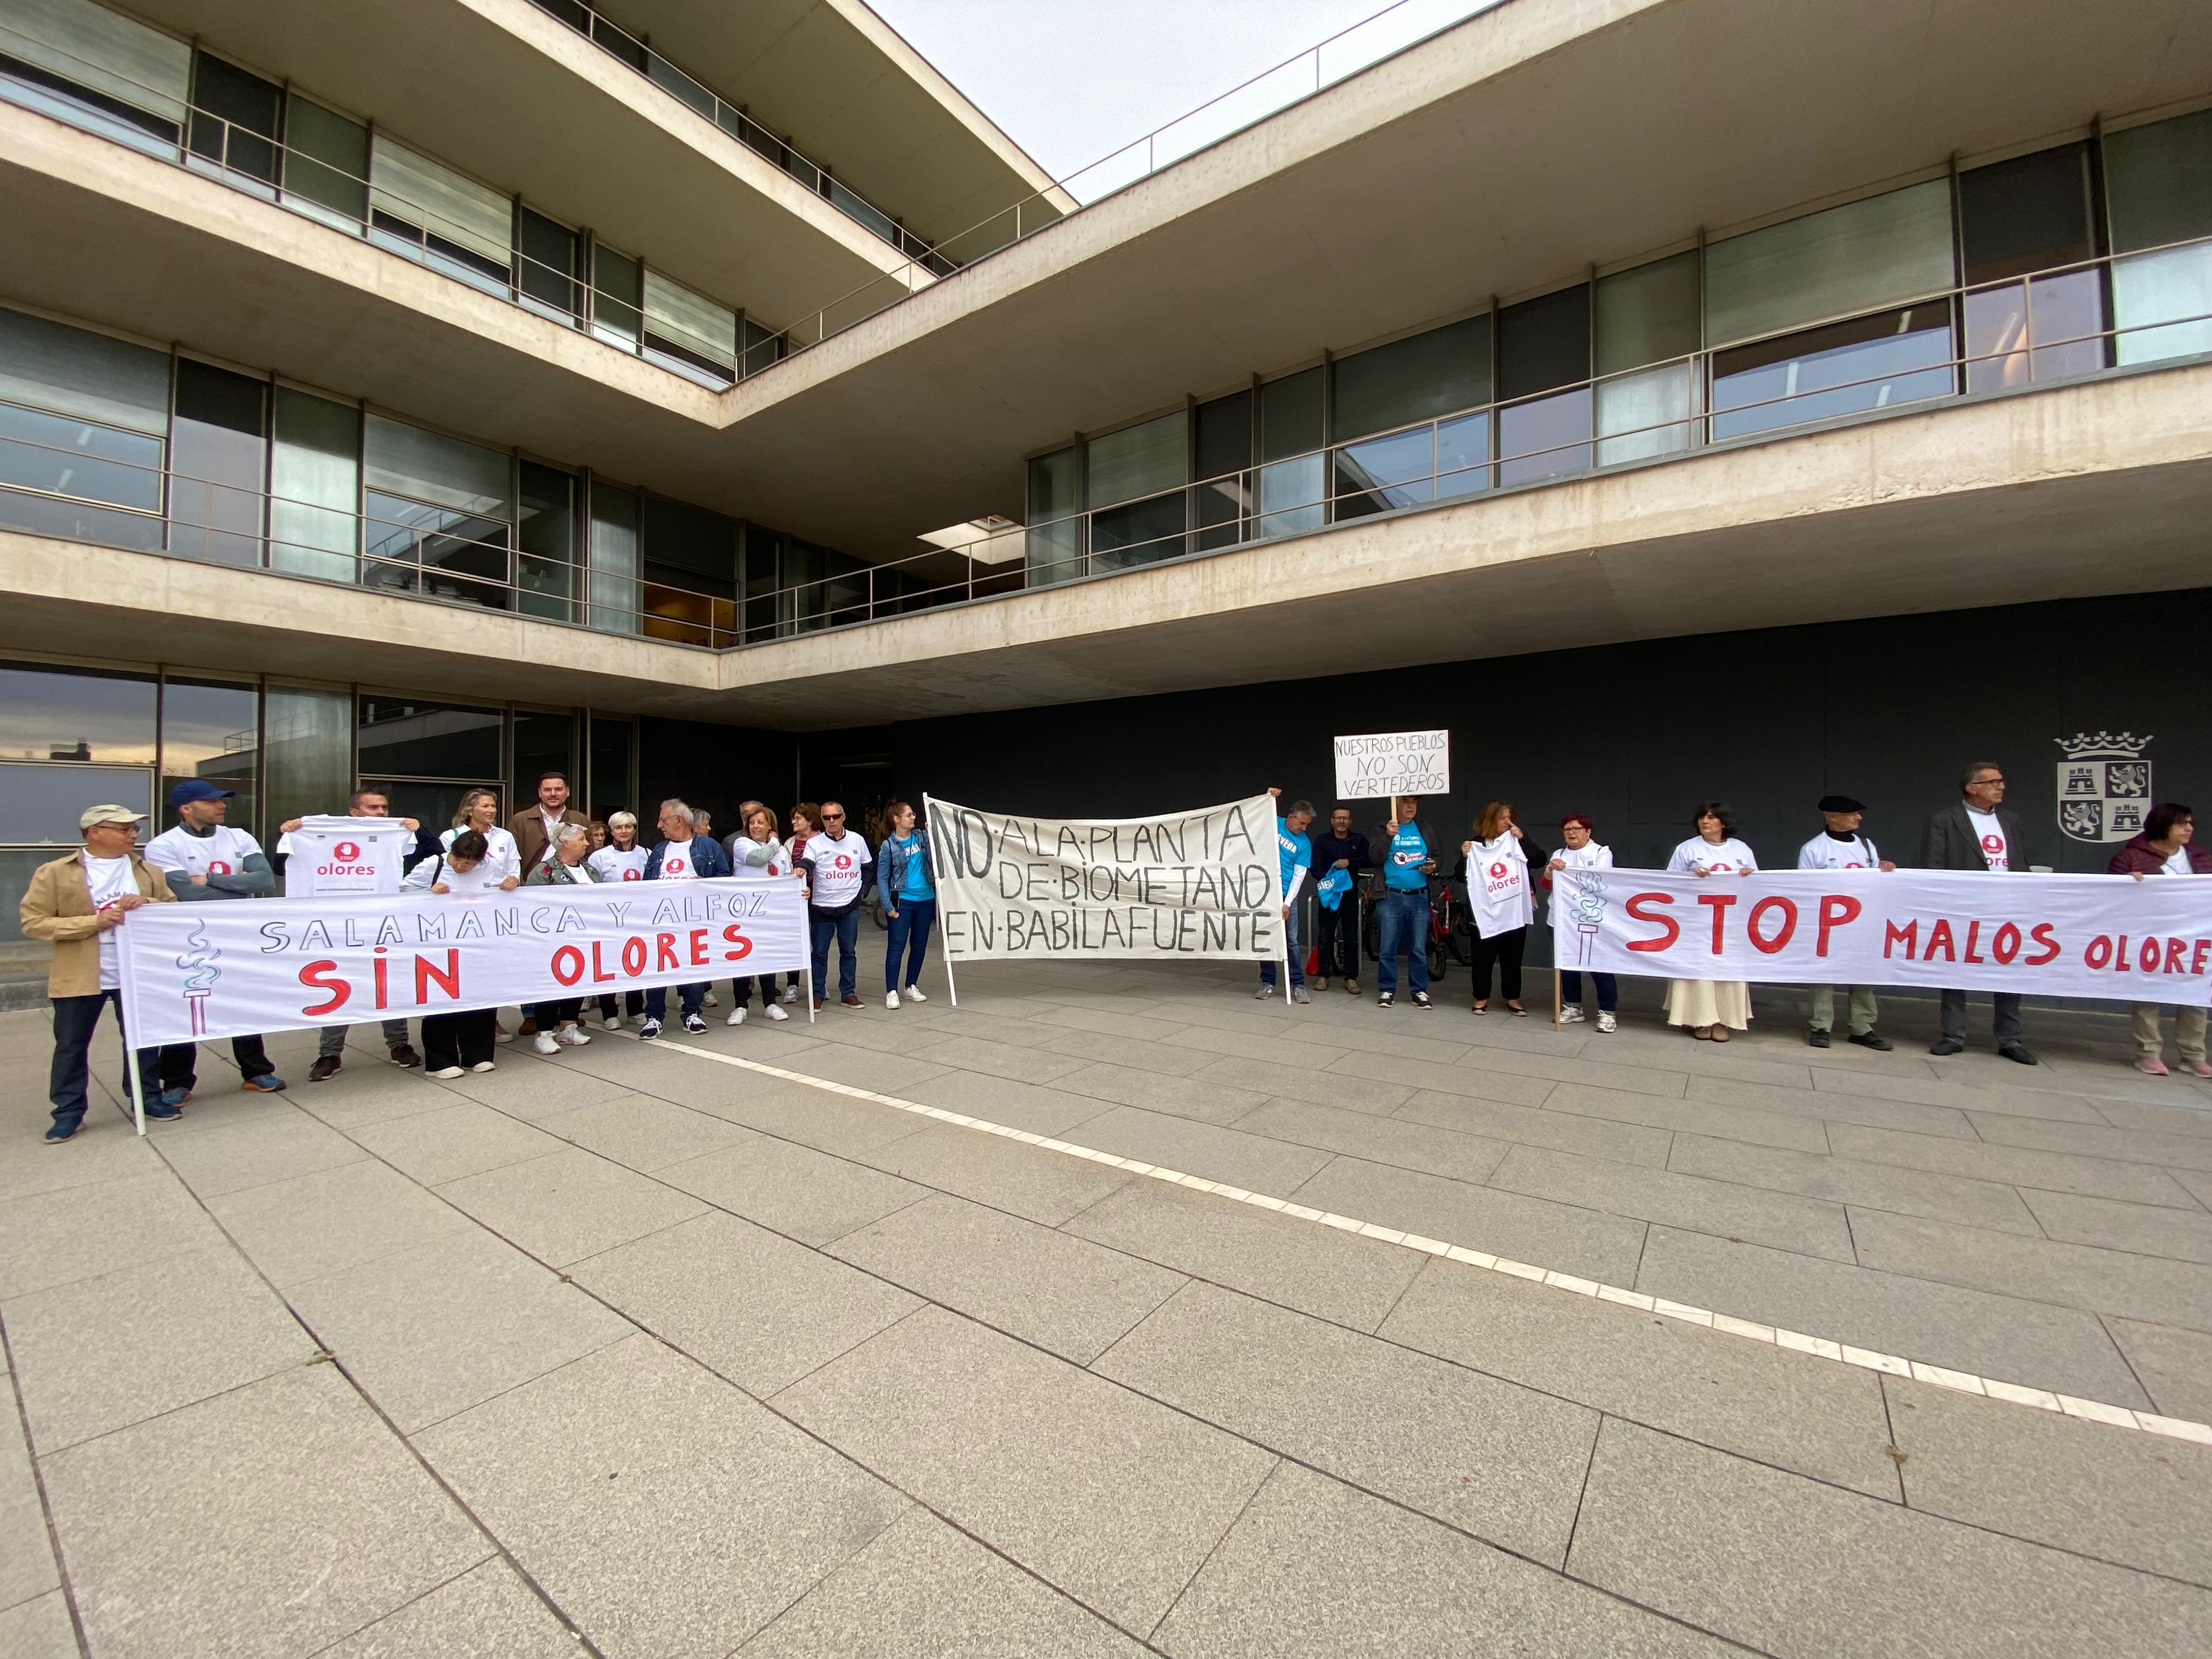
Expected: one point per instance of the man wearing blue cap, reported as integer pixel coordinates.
(205, 859)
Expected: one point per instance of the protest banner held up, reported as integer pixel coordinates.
(1201, 883)
(191, 971)
(2047, 935)
(1379, 763)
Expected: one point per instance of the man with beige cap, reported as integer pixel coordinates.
(75, 903)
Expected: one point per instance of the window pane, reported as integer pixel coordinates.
(235, 119)
(307, 750)
(1053, 492)
(404, 738)
(1544, 342)
(1649, 314)
(1223, 437)
(1548, 438)
(2158, 180)
(617, 297)
(689, 327)
(1053, 553)
(315, 486)
(211, 730)
(48, 712)
(1140, 533)
(762, 574)
(614, 593)
(412, 460)
(1291, 496)
(547, 531)
(1463, 456)
(39, 450)
(325, 164)
(2032, 213)
(456, 225)
(1886, 248)
(1385, 473)
(1290, 416)
(1871, 362)
(73, 371)
(546, 258)
(1438, 373)
(542, 742)
(1138, 460)
(613, 742)
(139, 74)
(218, 452)
(42, 804)
(2175, 289)
(1641, 416)
(688, 547)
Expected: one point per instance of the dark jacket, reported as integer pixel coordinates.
(2140, 858)
(1951, 843)
(1379, 853)
(706, 851)
(1328, 849)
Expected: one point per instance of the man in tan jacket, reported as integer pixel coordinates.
(75, 903)
(534, 827)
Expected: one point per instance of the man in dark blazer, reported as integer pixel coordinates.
(534, 826)
(1975, 832)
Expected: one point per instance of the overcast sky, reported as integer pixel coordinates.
(1071, 80)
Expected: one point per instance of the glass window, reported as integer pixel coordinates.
(698, 335)
(218, 454)
(1053, 552)
(234, 121)
(763, 574)
(401, 736)
(1544, 344)
(73, 371)
(1418, 378)
(1052, 486)
(1382, 473)
(2157, 180)
(40, 804)
(666, 75)
(1292, 494)
(315, 486)
(1880, 361)
(211, 729)
(430, 804)
(1646, 414)
(1648, 314)
(413, 460)
(51, 711)
(763, 346)
(81, 421)
(1880, 251)
(1222, 434)
(1142, 532)
(1138, 460)
(614, 742)
(617, 297)
(543, 743)
(97, 69)
(547, 571)
(1545, 438)
(689, 547)
(325, 164)
(1291, 415)
(1463, 456)
(307, 750)
(2035, 213)
(440, 514)
(614, 596)
(423, 209)
(547, 257)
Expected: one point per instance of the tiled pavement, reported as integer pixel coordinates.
(633, 1354)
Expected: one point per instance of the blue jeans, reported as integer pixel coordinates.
(1296, 949)
(74, 1019)
(1402, 921)
(691, 999)
(846, 929)
(910, 937)
(1609, 990)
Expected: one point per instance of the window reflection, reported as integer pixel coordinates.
(1463, 456)
(1141, 532)
(210, 730)
(442, 552)
(403, 737)
(1546, 437)
(1383, 473)
(2043, 330)
(52, 713)
(1879, 361)
(1291, 495)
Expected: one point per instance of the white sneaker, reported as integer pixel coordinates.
(544, 1044)
(611, 1023)
(737, 1016)
(776, 1012)
(791, 994)
(712, 1001)
(1571, 1016)
(694, 1025)
(482, 1066)
(501, 1034)
(913, 994)
(574, 1035)
(444, 1072)
(1607, 1023)
(891, 998)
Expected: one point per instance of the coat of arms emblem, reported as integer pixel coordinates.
(2104, 786)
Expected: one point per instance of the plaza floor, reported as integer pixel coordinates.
(1114, 1312)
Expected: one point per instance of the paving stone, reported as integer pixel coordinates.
(1153, 1055)
(26, 1556)
(791, 1189)
(815, 1117)
(1249, 1045)
(1571, 1239)
(1089, 1016)
(642, 1133)
(97, 1354)
(1047, 1287)
(2016, 1166)
(1767, 1402)
(1114, 1499)
(1318, 1270)
(2139, 1500)
(1007, 1060)
(1531, 1126)
(1785, 1220)
(38, 1629)
(307, 1520)
(889, 1074)
(1790, 1567)
(431, 1148)
(1502, 1462)
(569, 1205)
(2175, 1366)
(663, 1510)
(2179, 1118)
(1293, 1081)
(1699, 1117)
(1848, 1181)
(756, 1308)
(2014, 1340)
(434, 1330)
(1408, 1145)
(333, 1221)
(2052, 1104)
(2098, 1140)
(80, 1233)
(1378, 1031)
(1257, 1163)
(1007, 1175)
(527, 1087)
(1193, 1097)
(2077, 1275)
(271, 1145)
(1909, 1117)
(2145, 1229)
(488, 1612)
(1314, 1567)
(103, 1150)
(1443, 1077)
(1018, 1105)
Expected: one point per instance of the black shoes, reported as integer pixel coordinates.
(1948, 1046)
(1868, 1040)
(404, 1055)
(324, 1069)
(1818, 1038)
(1421, 1000)
(2015, 1053)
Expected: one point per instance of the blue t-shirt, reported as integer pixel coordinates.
(1408, 852)
(1296, 850)
(914, 880)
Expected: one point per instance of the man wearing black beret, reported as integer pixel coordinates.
(1841, 847)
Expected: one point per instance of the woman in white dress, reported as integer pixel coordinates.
(757, 855)
(1711, 1008)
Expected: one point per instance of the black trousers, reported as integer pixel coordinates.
(464, 1039)
(633, 1004)
(1336, 935)
(74, 1020)
(180, 1060)
(1503, 951)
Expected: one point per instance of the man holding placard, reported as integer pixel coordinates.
(366, 851)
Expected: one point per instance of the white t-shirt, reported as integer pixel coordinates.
(501, 856)
(1498, 885)
(1991, 833)
(1589, 856)
(1825, 852)
(345, 855)
(107, 880)
(676, 862)
(177, 851)
(779, 860)
(2179, 865)
(612, 863)
(483, 878)
(839, 868)
(1698, 856)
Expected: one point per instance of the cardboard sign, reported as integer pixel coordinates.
(1383, 763)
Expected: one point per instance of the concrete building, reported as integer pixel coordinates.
(1674, 397)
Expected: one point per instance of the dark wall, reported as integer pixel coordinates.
(714, 766)
(1887, 710)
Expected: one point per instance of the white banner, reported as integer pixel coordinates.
(1203, 883)
(1393, 763)
(215, 970)
(2048, 935)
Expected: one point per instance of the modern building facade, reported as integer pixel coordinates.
(1679, 399)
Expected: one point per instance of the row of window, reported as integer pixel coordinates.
(114, 75)
(2060, 262)
(106, 440)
